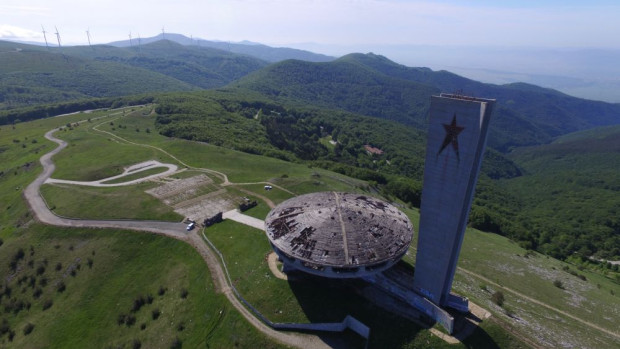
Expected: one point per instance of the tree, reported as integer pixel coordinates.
(498, 298)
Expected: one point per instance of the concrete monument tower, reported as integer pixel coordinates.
(456, 140)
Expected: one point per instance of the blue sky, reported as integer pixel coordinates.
(329, 22)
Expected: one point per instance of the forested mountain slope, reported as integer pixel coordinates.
(34, 76)
(202, 67)
(570, 193)
(373, 85)
(31, 75)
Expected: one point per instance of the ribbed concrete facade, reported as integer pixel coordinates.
(456, 140)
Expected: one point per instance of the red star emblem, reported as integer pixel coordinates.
(452, 133)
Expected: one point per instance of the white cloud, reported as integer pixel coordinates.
(16, 33)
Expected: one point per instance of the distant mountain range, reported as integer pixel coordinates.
(367, 84)
(373, 85)
(260, 51)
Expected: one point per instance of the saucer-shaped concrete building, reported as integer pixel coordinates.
(338, 235)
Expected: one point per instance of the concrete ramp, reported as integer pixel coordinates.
(235, 215)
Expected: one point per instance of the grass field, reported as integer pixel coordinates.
(121, 258)
(125, 266)
(312, 299)
(127, 202)
(104, 274)
(137, 175)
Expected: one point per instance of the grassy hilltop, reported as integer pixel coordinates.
(76, 280)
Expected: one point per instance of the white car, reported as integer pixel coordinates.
(190, 226)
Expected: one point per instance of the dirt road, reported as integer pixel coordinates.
(173, 230)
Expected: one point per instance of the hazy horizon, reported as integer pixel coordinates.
(499, 42)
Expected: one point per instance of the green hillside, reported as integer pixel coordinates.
(527, 196)
(569, 194)
(556, 113)
(203, 67)
(85, 287)
(373, 85)
(31, 77)
(343, 85)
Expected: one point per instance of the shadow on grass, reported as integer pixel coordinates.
(325, 300)
(331, 300)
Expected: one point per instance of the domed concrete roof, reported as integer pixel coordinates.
(343, 232)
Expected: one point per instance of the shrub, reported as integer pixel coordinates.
(161, 291)
(184, 293)
(37, 293)
(558, 284)
(47, 304)
(176, 343)
(120, 319)
(4, 327)
(498, 298)
(156, 313)
(28, 328)
(137, 304)
(136, 344)
(61, 287)
(130, 320)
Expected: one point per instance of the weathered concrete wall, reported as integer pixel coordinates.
(456, 142)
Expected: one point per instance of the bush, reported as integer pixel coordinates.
(37, 293)
(138, 303)
(136, 344)
(498, 298)
(176, 343)
(4, 327)
(130, 320)
(184, 293)
(558, 284)
(156, 313)
(47, 304)
(161, 291)
(28, 328)
(61, 287)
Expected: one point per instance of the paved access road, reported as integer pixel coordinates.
(175, 230)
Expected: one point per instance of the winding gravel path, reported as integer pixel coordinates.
(133, 169)
(173, 230)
